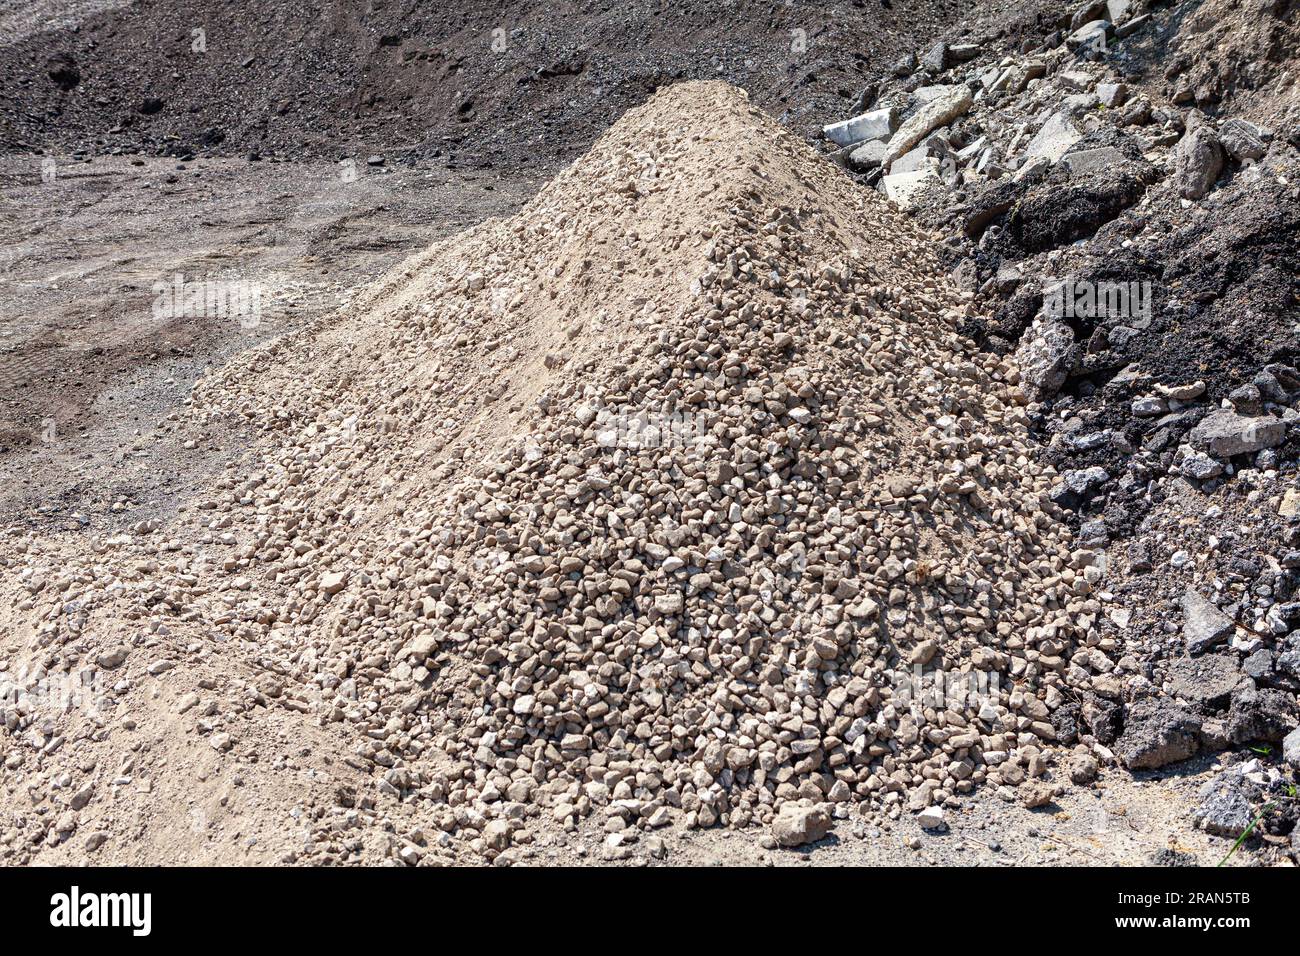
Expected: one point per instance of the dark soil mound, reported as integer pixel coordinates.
(482, 83)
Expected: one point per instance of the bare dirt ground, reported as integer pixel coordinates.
(1127, 821)
(511, 83)
(89, 368)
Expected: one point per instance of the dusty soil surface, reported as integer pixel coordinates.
(90, 366)
(512, 84)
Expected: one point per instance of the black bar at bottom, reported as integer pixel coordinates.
(332, 906)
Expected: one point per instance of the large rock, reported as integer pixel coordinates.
(1117, 11)
(937, 59)
(946, 106)
(925, 95)
(1204, 625)
(1112, 95)
(1198, 161)
(1087, 161)
(931, 818)
(797, 824)
(1200, 467)
(1288, 658)
(421, 647)
(877, 124)
(332, 582)
(1205, 681)
(867, 156)
(1088, 13)
(1224, 809)
(925, 155)
(1130, 27)
(1223, 433)
(1091, 37)
(1077, 485)
(112, 658)
(1157, 732)
(1046, 357)
(1291, 749)
(1289, 507)
(1259, 714)
(1243, 141)
(914, 188)
(1054, 140)
(1077, 80)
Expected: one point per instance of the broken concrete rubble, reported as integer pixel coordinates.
(1198, 160)
(1085, 162)
(1243, 141)
(1224, 433)
(878, 124)
(1157, 733)
(1204, 625)
(1046, 355)
(1054, 140)
(914, 188)
(1224, 808)
(868, 156)
(947, 105)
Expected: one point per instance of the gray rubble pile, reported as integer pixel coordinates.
(1111, 229)
(963, 117)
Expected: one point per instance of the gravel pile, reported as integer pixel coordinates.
(668, 500)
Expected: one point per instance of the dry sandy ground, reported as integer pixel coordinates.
(87, 366)
(1127, 821)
